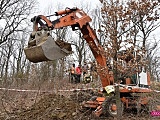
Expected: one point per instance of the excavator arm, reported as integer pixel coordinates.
(75, 18)
(69, 17)
(42, 47)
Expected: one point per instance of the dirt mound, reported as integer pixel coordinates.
(80, 96)
(55, 107)
(58, 107)
(61, 105)
(51, 107)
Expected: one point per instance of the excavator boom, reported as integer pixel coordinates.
(42, 47)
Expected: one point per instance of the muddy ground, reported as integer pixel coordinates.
(53, 101)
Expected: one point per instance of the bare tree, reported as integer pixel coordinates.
(144, 15)
(12, 15)
(153, 59)
(145, 23)
(124, 23)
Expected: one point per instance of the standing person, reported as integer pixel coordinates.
(85, 68)
(73, 73)
(78, 73)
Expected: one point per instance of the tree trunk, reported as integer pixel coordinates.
(118, 103)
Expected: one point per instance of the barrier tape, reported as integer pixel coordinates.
(127, 86)
(20, 90)
(156, 91)
(49, 91)
(71, 90)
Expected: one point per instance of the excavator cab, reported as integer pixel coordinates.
(42, 47)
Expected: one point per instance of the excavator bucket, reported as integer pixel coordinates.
(44, 48)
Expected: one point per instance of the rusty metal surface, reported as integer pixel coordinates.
(47, 50)
(35, 54)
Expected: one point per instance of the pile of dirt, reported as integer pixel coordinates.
(55, 107)
(50, 107)
(80, 96)
(58, 107)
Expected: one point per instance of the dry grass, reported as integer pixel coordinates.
(18, 105)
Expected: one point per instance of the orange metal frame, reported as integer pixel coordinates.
(78, 18)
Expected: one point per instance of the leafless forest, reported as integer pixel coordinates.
(42, 91)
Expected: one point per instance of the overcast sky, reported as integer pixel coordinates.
(44, 4)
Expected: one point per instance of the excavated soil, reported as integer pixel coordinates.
(50, 107)
(56, 105)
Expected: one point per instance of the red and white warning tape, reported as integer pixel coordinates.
(156, 91)
(80, 89)
(19, 90)
(52, 91)
(42, 91)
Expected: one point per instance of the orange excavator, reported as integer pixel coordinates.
(42, 47)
